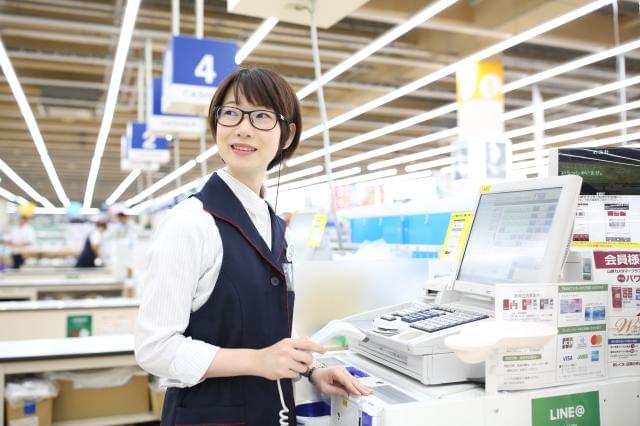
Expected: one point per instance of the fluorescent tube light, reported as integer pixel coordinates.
(450, 69)
(563, 100)
(429, 164)
(425, 116)
(207, 154)
(573, 119)
(411, 157)
(550, 140)
(433, 137)
(570, 66)
(255, 39)
(8, 195)
(295, 175)
(161, 183)
(391, 35)
(167, 196)
(32, 125)
(24, 185)
(123, 186)
(126, 32)
(319, 179)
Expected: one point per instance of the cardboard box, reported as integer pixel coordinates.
(29, 413)
(73, 404)
(157, 400)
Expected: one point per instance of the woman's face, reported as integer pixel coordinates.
(245, 149)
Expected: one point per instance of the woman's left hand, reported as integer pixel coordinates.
(338, 381)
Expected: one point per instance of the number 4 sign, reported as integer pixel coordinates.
(192, 70)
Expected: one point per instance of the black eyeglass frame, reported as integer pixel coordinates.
(248, 113)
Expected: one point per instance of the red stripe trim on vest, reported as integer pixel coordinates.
(246, 237)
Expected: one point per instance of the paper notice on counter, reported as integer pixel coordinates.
(575, 355)
(581, 332)
(621, 269)
(531, 367)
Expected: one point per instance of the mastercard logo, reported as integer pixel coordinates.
(596, 339)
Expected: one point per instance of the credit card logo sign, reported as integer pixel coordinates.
(567, 342)
(596, 340)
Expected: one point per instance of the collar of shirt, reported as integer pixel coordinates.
(249, 199)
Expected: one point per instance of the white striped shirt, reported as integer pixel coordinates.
(185, 261)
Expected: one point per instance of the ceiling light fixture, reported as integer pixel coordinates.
(24, 185)
(295, 175)
(161, 183)
(131, 177)
(391, 35)
(255, 39)
(570, 66)
(450, 69)
(126, 32)
(32, 125)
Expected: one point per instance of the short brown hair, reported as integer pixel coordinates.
(262, 86)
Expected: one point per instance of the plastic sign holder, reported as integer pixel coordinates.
(192, 70)
(483, 340)
(177, 125)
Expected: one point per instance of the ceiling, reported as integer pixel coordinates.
(63, 50)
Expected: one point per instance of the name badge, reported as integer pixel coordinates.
(287, 268)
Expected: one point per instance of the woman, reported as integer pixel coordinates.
(91, 248)
(216, 313)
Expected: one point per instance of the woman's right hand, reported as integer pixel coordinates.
(287, 359)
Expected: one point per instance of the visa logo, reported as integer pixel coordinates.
(567, 358)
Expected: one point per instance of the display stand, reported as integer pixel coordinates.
(483, 341)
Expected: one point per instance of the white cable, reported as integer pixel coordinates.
(284, 413)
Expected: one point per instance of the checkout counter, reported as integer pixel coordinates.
(520, 234)
(53, 283)
(46, 319)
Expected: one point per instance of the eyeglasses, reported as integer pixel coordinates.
(229, 116)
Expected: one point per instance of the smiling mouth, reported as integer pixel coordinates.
(243, 148)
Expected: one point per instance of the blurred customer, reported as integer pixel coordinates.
(22, 237)
(91, 249)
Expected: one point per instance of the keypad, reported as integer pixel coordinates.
(432, 318)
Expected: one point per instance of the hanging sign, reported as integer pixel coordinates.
(127, 165)
(142, 147)
(192, 70)
(160, 124)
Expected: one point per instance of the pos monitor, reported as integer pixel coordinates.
(520, 233)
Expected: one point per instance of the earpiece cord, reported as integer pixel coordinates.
(284, 413)
(275, 209)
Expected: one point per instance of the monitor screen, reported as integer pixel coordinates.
(610, 171)
(509, 236)
(520, 234)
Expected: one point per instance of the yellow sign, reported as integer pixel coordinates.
(457, 234)
(316, 230)
(480, 81)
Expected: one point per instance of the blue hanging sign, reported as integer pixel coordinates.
(142, 147)
(127, 165)
(192, 70)
(160, 124)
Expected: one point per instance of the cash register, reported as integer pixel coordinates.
(520, 233)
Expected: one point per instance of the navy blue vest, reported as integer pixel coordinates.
(250, 307)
